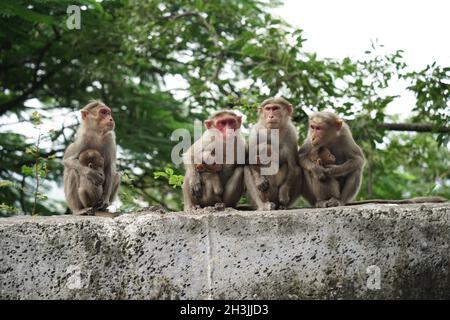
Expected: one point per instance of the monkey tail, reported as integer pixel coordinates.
(401, 201)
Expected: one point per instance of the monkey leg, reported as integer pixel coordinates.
(217, 188)
(291, 175)
(307, 190)
(71, 184)
(254, 194)
(234, 187)
(333, 202)
(115, 188)
(351, 186)
(87, 196)
(261, 182)
(189, 202)
(321, 204)
(195, 184)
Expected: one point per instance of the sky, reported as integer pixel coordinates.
(345, 28)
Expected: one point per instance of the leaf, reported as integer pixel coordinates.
(36, 118)
(160, 174)
(27, 171)
(5, 183)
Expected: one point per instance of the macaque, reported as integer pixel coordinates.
(95, 132)
(91, 190)
(327, 130)
(281, 188)
(328, 188)
(221, 144)
(322, 156)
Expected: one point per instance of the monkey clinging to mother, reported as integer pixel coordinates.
(82, 182)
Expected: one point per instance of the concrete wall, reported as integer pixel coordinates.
(295, 254)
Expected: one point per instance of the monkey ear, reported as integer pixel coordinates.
(259, 109)
(84, 114)
(239, 120)
(208, 123)
(290, 109)
(339, 124)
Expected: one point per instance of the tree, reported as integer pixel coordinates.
(223, 55)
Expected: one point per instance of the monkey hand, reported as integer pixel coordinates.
(101, 205)
(330, 170)
(284, 195)
(263, 184)
(96, 177)
(333, 202)
(319, 172)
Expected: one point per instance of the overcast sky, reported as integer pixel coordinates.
(341, 28)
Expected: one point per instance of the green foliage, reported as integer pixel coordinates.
(409, 165)
(432, 89)
(128, 194)
(173, 179)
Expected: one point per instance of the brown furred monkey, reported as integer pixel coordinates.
(90, 190)
(326, 129)
(281, 189)
(222, 134)
(328, 188)
(95, 132)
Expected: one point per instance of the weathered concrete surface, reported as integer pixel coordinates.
(307, 253)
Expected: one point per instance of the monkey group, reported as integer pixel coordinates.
(272, 170)
(326, 169)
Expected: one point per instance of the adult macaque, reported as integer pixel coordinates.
(327, 130)
(281, 188)
(90, 190)
(96, 132)
(269, 193)
(328, 188)
(221, 141)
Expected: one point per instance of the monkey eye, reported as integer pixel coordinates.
(226, 123)
(105, 111)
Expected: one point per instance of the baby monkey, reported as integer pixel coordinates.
(327, 188)
(91, 191)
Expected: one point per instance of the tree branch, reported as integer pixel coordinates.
(417, 127)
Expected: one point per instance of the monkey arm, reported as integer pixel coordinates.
(73, 164)
(336, 171)
(234, 187)
(307, 164)
(70, 159)
(107, 189)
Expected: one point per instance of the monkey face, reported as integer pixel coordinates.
(99, 118)
(226, 124)
(327, 157)
(323, 130)
(105, 118)
(92, 158)
(274, 114)
(321, 133)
